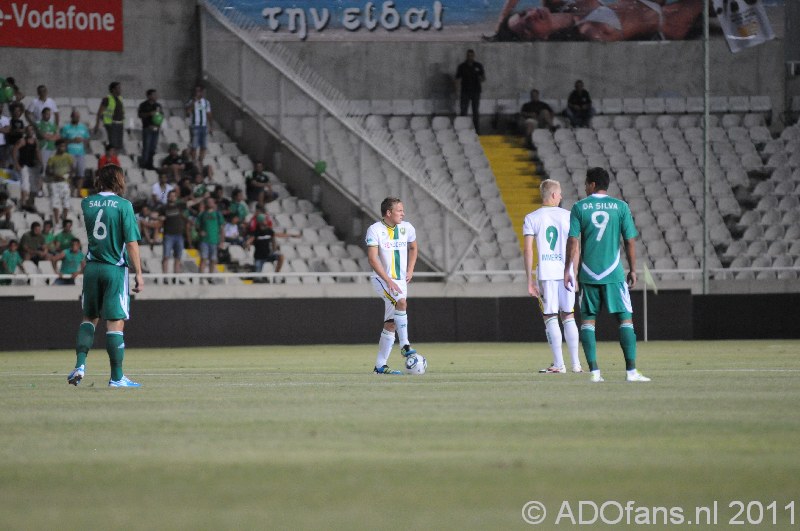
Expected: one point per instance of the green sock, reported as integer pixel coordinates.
(115, 346)
(589, 345)
(627, 340)
(84, 343)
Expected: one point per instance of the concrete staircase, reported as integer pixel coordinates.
(516, 174)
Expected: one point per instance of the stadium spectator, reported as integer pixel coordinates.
(59, 169)
(77, 136)
(65, 237)
(200, 187)
(595, 21)
(392, 254)
(10, 261)
(16, 124)
(34, 111)
(112, 114)
(27, 161)
(174, 221)
(253, 224)
(210, 225)
(173, 164)
(223, 203)
(238, 205)
(597, 224)
(233, 230)
(533, 114)
(151, 125)
(50, 241)
(32, 246)
(263, 241)
(160, 191)
(73, 262)
(258, 187)
(579, 106)
(105, 284)
(198, 110)
(47, 134)
(545, 229)
(184, 189)
(469, 75)
(108, 157)
(5, 128)
(6, 208)
(18, 95)
(149, 225)
(191, 168)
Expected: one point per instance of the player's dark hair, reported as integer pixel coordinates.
(113, 85)
(110, 178)
(599, 177)
(35, 224)
(66, 222)
(388, 204)
(73, 240)
(150, 91)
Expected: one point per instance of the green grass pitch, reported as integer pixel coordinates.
(307, 438)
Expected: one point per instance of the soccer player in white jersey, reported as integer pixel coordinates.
(392, 253)
(548, 227)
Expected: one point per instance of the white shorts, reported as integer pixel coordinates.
(59, 196)
(554, 297)
(25, 179)
(389, 299)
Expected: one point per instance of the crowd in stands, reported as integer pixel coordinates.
(44, 156)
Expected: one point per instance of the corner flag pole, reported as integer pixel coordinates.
(648, 281)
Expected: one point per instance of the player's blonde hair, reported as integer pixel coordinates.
(548, 187)
(110, 178)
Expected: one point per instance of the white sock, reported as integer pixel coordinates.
(401, 320)
(384, 348)
(573, 338)
(554, 338)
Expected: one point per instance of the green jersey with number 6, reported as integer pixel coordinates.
(599, 221)
(110, 224)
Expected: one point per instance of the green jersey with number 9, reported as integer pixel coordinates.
(599, 221)
(110, 224)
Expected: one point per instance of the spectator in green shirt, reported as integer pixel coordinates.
(65, 237)
(73, 262)
(32, 244)
(47, 133)
(210, 225)
(10, 261)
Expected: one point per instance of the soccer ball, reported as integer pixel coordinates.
(416, 364)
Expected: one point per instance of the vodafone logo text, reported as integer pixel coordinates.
(78, 24)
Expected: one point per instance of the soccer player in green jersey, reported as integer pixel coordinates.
(113, 246)
(600, 222)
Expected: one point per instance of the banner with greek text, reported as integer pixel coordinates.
(477, 20)
(73, 25)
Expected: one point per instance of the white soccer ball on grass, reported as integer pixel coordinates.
(416, 364)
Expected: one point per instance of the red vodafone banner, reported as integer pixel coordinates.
(70, 25)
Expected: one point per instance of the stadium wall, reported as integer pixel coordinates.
(673, 315)
(420, 70)
(161, 51)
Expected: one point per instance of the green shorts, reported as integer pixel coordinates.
(105, 291)
(614, 297)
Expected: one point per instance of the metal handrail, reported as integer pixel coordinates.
(343, 110)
